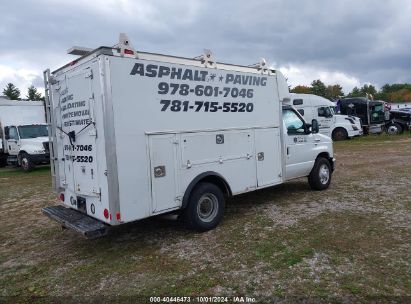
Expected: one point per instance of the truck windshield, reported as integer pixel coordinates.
(33, 131)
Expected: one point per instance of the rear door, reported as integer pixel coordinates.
(79, 133)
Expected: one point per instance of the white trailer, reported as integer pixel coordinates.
(336, 126)
(137, 134)
(23, 134)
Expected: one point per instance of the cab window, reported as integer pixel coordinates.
(292, 122)
(324, 112)
(13, 133)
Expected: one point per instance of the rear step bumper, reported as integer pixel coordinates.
(77, 221)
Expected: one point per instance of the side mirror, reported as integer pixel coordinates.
(314, 126)
(6, 133)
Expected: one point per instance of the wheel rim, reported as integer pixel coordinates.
(392, 130)
(207, 207)
(24, 163)
(324, 174)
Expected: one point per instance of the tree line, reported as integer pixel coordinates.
(397, 92)
(13, 93)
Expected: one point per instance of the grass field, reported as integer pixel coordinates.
(351, 242)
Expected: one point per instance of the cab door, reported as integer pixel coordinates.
(299, 145)
(13, 143)
(325, 119)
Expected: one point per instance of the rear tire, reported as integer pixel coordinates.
(205, 207)
(339, 134)
(26, 163)
(320, 176)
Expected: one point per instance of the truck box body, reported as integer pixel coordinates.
(14, 112)
(146, 128)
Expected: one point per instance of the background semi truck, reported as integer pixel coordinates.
(137, 134)
(23, 134)
(375, 117)
(336, 126)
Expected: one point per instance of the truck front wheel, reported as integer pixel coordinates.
(394, 128)
(320, 176)
(205, 207)
(26, 163)
(339, 134)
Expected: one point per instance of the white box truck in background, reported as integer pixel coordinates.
(336, 126)
(137, 134)
(23, 134)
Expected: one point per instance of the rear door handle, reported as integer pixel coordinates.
(317, 139)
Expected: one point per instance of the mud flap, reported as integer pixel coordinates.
(77, 221)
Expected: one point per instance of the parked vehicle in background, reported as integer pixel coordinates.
(336, 126)
(399, 121)
(375, 116)
(158, 134)
(371, 113)
(23, 134)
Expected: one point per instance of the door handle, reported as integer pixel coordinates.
(317, 139)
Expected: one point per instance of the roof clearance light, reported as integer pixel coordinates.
(128, 52)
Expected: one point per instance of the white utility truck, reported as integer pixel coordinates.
(137, 134)
(23, 134)
(336, 126)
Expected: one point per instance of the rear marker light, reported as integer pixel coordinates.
(106, 213)
(118, 216)
(61, 197)
(128, 52)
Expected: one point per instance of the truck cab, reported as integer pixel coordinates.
(27, 145)
(336, 126)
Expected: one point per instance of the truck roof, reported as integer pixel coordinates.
(114, 51)
(6, 102)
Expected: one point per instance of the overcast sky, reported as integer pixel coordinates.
(346, 42)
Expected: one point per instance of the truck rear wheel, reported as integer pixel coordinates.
(205, 207)
(26, 163)
(320, 176)
(339, 134)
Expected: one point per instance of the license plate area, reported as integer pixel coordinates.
(81, 204)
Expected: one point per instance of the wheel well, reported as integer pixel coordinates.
(323, 155)
(208, 177)
(340, 128)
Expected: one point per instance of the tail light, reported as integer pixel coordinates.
(61, 197)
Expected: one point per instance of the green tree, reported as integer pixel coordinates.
(368, 89)
(318, 88)
(11, 91)
(355, 93)
(32, 94)
(301, 89)
(334, 91)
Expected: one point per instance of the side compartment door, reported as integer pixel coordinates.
(268, 154)
(163, 152)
